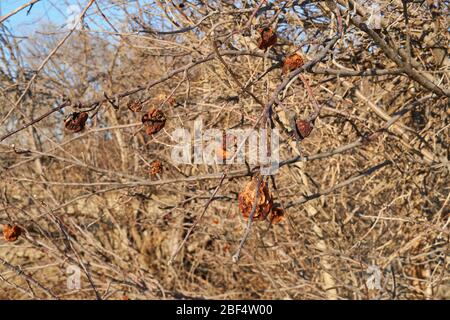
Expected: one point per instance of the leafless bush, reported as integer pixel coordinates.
(362, 106)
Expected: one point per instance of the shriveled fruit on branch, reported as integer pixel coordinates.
(292, 62)
(76, 121)
(264, 206)
(268, 38)
(276, 215)
(155, 167)
(247, 197)
(154, 120)
(135, 106)
(11, 233)
(303, 128)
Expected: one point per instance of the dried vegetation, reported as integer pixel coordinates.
(367, 187)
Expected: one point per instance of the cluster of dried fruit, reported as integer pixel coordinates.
(264, 205)
(11, 233)
(154, 120)
(292, 62)
(268, 38)
(155, 167)
(76, 121)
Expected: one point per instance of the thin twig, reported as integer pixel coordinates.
(28, 278)
(8, 15)
(47, 59)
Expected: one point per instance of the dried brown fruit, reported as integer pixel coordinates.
(292, 62)
(11, 233)
(268, 38)
(76, 121)
(303, 128)
(135, 106)
(276, 215)
(155, 167)
(265, 206)
(154, 120)
(247, 197)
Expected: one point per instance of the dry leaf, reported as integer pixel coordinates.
(155, 167)
(268, 38)
(276, 215)
(76, 121)
(292, 62)
(304, 128)
(11, 233)
(247, 197)
(264, 207)
(154, 120)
